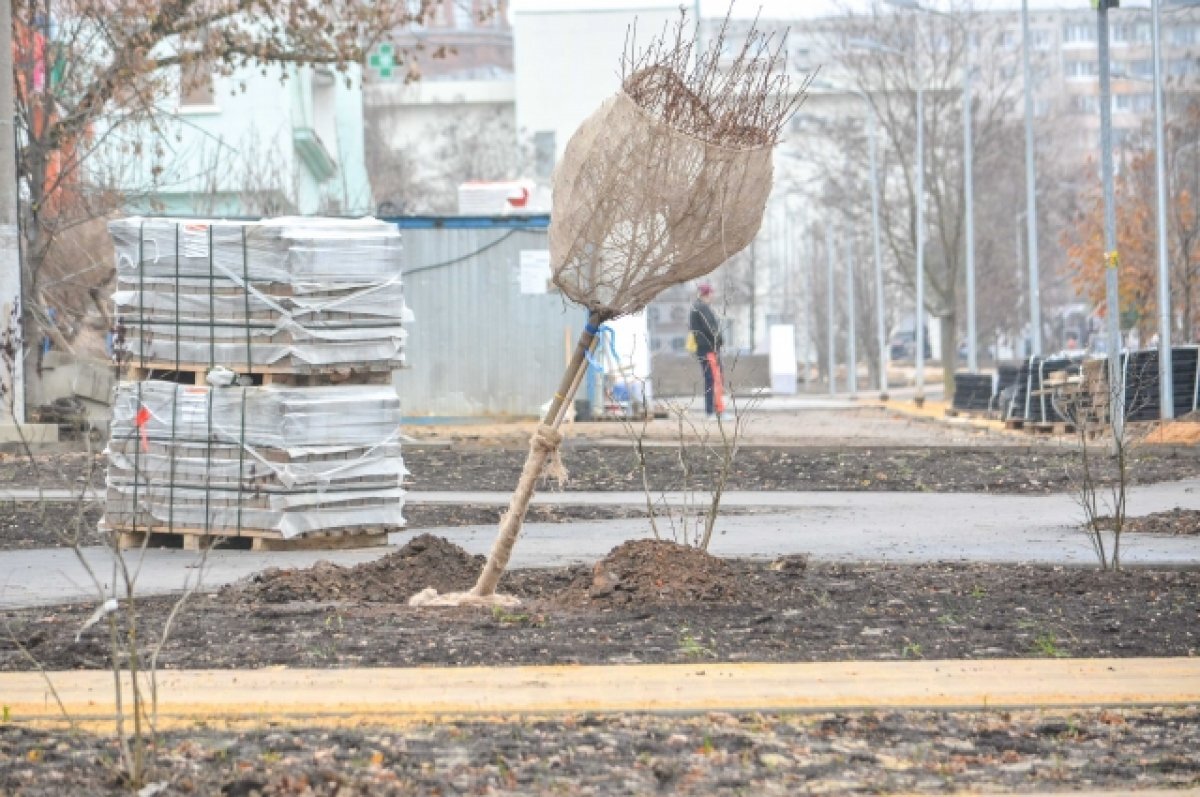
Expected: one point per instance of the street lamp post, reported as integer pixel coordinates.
(851, 318)
(810, 323)
(1166, 394)
(830, 349)
(877, 250)
(968, 176)
(880, 324)
(919, 333)
(1035, 300)
(969, 208)
(1116, 386)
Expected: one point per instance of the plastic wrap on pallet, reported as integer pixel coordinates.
(254, 460)
(1032, 400)
(304, 292)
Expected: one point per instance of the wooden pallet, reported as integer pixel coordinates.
(954, 412)
(198, 539)
(1052, 427)
(284, 375)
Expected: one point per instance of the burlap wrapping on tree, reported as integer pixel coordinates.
(639, 206)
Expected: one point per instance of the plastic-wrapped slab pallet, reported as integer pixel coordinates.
(292, 295)
(270, 462)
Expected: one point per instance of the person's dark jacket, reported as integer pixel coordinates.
(704, 326)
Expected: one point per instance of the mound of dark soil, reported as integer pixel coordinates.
(656, 572)
(1173, 521)
(425, 561)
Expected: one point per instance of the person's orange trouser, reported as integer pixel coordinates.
(713, 384)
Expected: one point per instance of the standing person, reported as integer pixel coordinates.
(705, 330)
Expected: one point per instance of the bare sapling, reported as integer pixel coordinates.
(133, 652)
(704, 456)
(1102, 476)
(689, 138)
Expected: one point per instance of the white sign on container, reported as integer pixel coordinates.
(782, 360)
(535, 270)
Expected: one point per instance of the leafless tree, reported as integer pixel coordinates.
(96, 76)
(905, 51)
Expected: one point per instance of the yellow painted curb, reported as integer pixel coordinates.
(367, 696)
(936, 411)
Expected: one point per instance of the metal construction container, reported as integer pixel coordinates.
(490, 335)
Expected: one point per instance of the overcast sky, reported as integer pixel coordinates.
(792, 9)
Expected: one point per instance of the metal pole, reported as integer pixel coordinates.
(830, 351)
(969, 191)
(1111, 258)
(1035, 301)
(919, 333)
(880, 322)
(810, 311)
(1166, 389)
(10, 246)
(851, 318)
(1019, 339)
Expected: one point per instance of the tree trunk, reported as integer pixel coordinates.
(949, 353)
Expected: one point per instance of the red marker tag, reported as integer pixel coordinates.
(142, 419)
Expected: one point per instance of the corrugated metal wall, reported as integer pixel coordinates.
(479, 346)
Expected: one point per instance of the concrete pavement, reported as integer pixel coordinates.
(223, 698)
(895, 527)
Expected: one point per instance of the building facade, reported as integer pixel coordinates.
(248, 144)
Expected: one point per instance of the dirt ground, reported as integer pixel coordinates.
(1173, 521)
(609, 468)
(715, 754)
(603, 467)
(643, 603)
(29, 525)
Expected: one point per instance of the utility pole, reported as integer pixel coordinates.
(969, 199)
(830, 349)
(1035, 296)
(1116, 385)
(1166, 388)
(919, 332)
(10, 246)
(880, 329)
(851, 319)
(810, 310)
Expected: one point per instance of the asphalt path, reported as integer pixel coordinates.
(895, 527)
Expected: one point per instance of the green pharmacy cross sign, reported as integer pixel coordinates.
(383, 60)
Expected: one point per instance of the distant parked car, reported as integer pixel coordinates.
(903, 345)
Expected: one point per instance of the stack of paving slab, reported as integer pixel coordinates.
(257, 400)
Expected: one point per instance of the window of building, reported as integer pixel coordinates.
(1079, 33)
(1133, 103)
(1130, 33)
(1141, 67)
(1085, 104)
(1042, 39)
(1184, 67)
(545, 153)
(196, 85)
(1185, 35)
(1081, 68)
(1009, 39)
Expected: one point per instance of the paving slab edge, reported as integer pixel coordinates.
(392, 696)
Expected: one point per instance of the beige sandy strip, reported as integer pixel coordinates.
(374, 696)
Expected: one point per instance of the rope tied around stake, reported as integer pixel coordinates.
(548, 441)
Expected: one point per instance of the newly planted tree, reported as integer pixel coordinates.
(690, 142)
